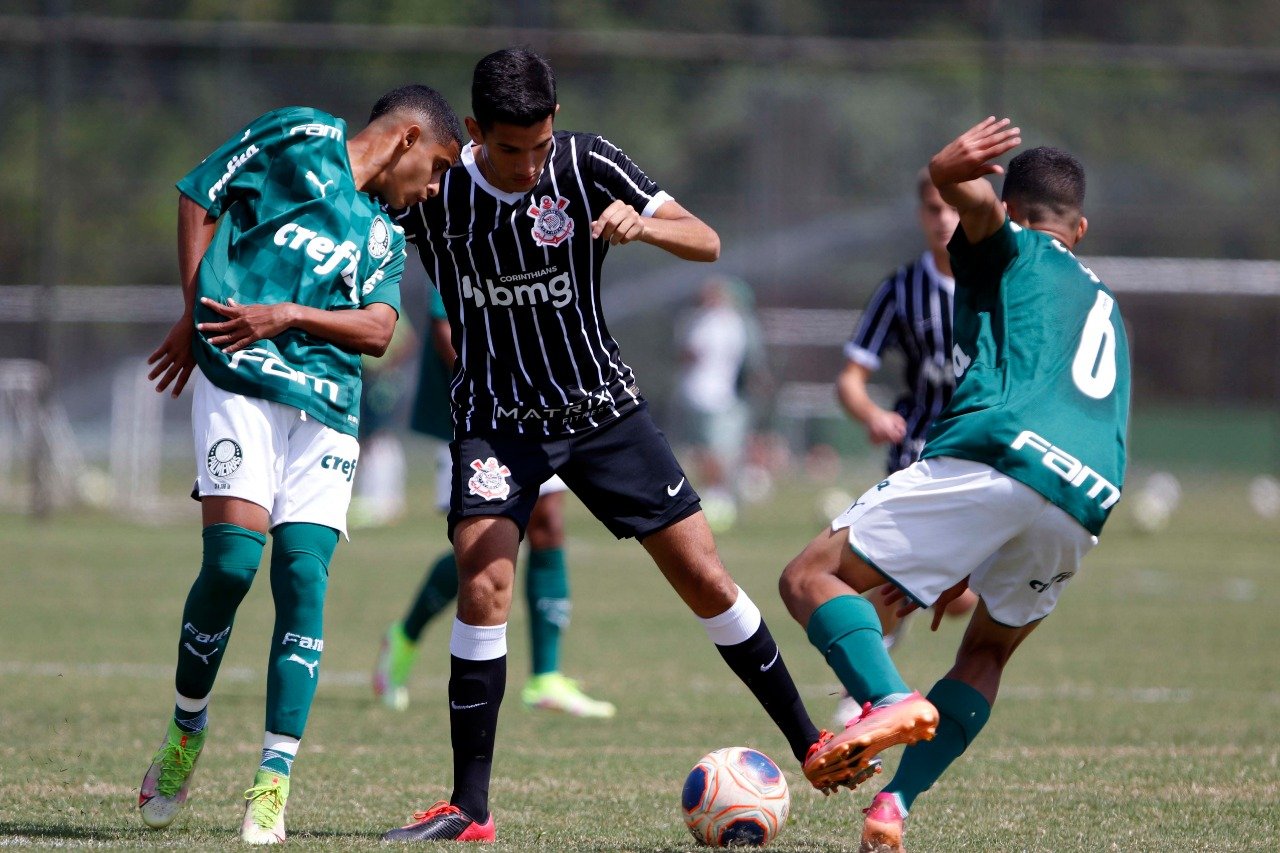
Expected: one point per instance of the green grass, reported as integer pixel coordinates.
(1141, 717)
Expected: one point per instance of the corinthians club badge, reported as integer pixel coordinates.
(551, 225)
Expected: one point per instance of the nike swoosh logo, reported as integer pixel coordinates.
(455, 706)
(671, 490)
(765, 667)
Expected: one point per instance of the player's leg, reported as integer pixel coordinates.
(685, 552)
(963, 697)
(308, 517)
(495, 483)
(547, 595)
(234, 448)
(628, 477)
(439, 588)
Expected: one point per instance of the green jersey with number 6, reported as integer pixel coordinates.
(1042, 368)
(292, 227)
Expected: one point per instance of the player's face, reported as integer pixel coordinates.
(416, 175)
(512, 157)
(938, 219)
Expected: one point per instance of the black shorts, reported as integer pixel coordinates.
(624, 472)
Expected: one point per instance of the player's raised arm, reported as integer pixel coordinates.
(959, 172)
(671, 227)
(173, 360)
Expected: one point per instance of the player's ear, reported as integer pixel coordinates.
(1082, 229)
(473, 130)
(411, 135)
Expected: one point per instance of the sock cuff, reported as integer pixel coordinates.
(962, 703)
(285, 744)
(546, 558)
(190, 704)
(839, 617)
(737, 624)
(318, 540)
(224, 531)
(478, 642)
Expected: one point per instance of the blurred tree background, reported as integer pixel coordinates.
(794, 127)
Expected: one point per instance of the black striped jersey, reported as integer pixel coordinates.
(911, 310)
(520, 278)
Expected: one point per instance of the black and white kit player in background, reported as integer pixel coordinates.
(515, 243)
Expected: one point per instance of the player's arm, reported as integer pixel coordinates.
(851, 389)
(671, 227)
(365, 330)
(442, 341)
(173, 361)
(959, 170)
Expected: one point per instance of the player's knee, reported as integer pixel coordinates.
(230, 561)
(978, 656)
(545, 531)
(797, 579)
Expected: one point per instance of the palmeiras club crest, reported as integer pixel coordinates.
(551, 225)
(490, 479)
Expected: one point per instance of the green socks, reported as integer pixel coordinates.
(300, 557)
(846, 630)
(438, 592)
(963, 711)
(231, 557)
(547, 593)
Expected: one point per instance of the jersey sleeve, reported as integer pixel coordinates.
(383, 285)
(237, 169)
(985, 260)
(617, 177)
(877, 328)
(435, 305)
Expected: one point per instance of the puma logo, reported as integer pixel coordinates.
(309, 664)
(311, 176)
(204, 657)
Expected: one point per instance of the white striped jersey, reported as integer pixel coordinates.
(911, 310)
(520, 277)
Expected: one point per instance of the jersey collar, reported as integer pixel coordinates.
(948, 283)
(473, 169)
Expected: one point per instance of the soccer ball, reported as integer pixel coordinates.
(734, 797)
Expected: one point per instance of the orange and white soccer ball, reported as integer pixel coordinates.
(735, 796)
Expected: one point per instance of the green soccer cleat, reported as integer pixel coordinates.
(552, 691)
(264, 811)
(395, 659)
(164, 788)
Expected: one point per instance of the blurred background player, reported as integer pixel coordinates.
(546, 577)
(378, 497)
(283, 218)
(910, 312)
(715, 340)
(1017, 478)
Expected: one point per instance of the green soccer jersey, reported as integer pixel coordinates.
(431, 408)
(292, 227)
(1042, 368)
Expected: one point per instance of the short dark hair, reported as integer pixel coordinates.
(512, 86)
(424, 104)
(1045, 183)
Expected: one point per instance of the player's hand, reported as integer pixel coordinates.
(886, 427)
(245, 324)
(968, 156)
(173, 360)
(940, 606)
(619, 223)
(894, 595)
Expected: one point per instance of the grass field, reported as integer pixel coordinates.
(1141, 717)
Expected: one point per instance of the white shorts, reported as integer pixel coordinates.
(942, 519)
(444, 480)
(271, 454)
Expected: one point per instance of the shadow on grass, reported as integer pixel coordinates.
(66, 831)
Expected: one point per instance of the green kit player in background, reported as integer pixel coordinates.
(290, 272)
(1017, 477)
